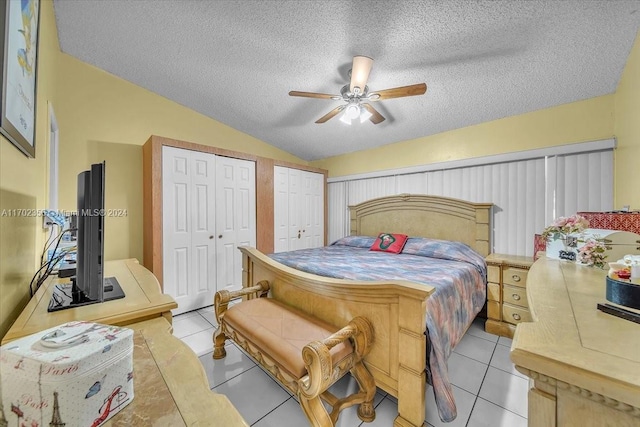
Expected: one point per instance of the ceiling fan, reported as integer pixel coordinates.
(356, 94)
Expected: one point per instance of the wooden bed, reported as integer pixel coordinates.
(396, 308)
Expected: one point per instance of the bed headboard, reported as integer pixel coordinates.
(419, 215)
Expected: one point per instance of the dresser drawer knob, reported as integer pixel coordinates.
(516, 316)
(516, 297)
(515, 278)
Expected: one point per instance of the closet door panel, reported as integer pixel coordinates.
(176, 196)
(281, 209)
(295, 200)
(313, 208)
(203, 261)
(188, 183)
(235, 219)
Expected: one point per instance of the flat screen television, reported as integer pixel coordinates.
(88, 286)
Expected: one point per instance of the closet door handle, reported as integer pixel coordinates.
(220, 236)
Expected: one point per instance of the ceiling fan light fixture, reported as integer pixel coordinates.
(360, 73)
(345, 119)
(356, 95)
(352, 111)
(364, 114)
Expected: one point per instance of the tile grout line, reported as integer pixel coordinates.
(502, 407)
(477, 396)
(267, 414)
(229, 379)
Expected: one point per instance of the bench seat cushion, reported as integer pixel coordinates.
(281, 332)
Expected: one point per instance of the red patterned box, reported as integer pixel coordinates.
(539, 245)
(623, 221)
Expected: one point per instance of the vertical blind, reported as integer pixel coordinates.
(527, 194)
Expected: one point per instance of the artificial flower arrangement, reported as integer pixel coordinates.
(592, 253)
(563, 226)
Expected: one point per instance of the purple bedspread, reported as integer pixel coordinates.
(456, 271)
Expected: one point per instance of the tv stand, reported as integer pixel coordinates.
(144, 300)
(67, 295)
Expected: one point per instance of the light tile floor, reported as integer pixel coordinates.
(487, 388)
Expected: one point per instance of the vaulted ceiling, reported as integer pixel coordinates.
(236, 61)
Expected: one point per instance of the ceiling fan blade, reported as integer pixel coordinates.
(360, 72)
(375, 116)
(398, 92)
(330, 114)
(314, 95)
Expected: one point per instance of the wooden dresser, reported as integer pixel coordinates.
(584, 364)
(143, 300)
(507, 303)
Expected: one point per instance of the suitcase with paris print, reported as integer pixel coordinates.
(78, 374)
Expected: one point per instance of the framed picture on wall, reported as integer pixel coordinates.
(19, 34)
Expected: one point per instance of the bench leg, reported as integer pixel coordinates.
(315, 411)
(219, 339)
(366, 411)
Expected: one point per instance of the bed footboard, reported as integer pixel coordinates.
(396, 309)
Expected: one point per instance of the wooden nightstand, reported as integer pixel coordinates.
(507, 293)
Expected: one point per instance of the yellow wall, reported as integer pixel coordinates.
(616, 115)
(23, 185)
(582, 121)
(103, 117)
(627, 130)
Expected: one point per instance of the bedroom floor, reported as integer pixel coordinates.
(487, 388)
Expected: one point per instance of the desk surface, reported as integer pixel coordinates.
(573, 342)
(170, 384)
(143, 300)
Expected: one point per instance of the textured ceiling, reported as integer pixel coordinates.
(236, 61)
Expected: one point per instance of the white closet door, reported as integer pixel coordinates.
(312, 210)
(281, 209)
(188, 182)
(298, 209)
(235, 218)
(295, 201)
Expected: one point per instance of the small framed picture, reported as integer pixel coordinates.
(19, 33)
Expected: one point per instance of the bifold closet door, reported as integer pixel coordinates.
(298, 209)
(235, 217)
(312, 200)
(189, 243)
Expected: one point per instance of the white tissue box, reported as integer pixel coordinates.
(78, 373)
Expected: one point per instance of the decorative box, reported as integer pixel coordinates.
(622, 221)
(78, 374)
(619, 243)
(539, 245)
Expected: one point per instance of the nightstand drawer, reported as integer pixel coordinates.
(515, 315)
(494, 309)
(493, 273)
(493, 292)
(515, 295)
(515, 276)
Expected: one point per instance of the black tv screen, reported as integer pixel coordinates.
(90, 234)
(89, 285)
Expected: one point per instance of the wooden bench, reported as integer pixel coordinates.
(304, 354)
